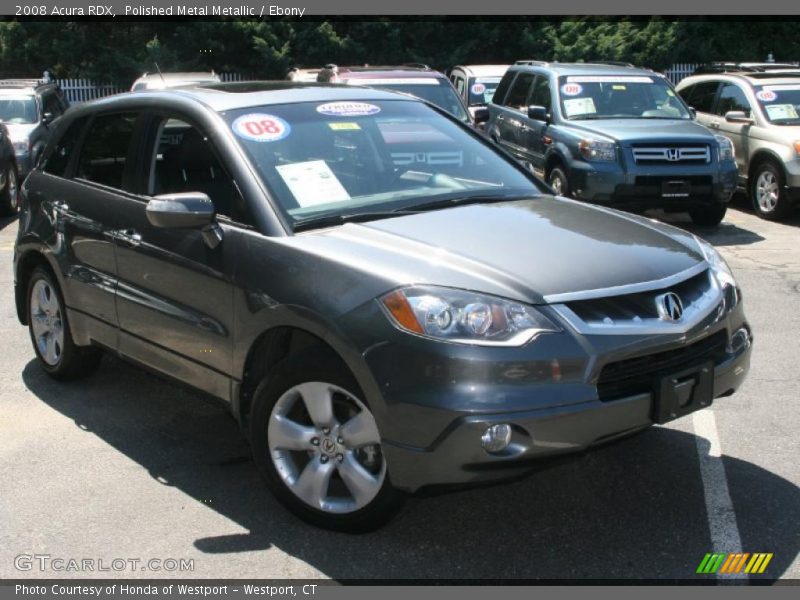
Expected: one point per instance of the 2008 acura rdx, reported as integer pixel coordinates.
(384, 298)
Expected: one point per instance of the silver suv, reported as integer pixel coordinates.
(27, 107)
(759, 110)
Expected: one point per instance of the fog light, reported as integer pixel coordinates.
(739, 340)
(496, 438)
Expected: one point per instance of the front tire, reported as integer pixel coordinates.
(9, 198)
(557, 179)
(767, 192)
(709, 216)
(50, 333)
(316, 443)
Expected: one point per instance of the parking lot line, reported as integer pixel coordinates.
(722, 524)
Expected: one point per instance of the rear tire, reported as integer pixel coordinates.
(767, 192)
(557, 179)
(709, 216)
(9, 197)
(50, 333)
(323, 463)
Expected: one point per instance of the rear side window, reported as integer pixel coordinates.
(731, 97)
(50, 104)
(58, 160)
(518, 94)
(701, 96)
(500, 92)
(106, 149)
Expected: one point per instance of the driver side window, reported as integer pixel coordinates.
(184, 160)
(731, 97)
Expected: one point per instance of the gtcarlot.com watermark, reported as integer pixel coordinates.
(45, 563)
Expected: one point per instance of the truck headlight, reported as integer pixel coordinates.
(597, 150)
(721, 271)
(726, 151)
(464, 317)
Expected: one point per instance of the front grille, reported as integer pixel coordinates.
(632, 309)
(640, 374)
(670, 154)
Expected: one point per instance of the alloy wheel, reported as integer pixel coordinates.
(47, 322)
(767, 191)
(325, 446)
(11, 182)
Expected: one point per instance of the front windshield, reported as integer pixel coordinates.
(482, 89)
(435, 91)
(781, 103)
(18, 109)
(343, 158)
(619, 97)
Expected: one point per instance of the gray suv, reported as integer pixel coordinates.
(27, 107)
(759, 110)
(383, 298)
(613, 134)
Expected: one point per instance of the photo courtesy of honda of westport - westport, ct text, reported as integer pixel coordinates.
(332, 299)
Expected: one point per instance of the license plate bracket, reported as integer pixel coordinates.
(676, 188)
(684, 392)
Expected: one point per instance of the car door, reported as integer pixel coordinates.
(84, 179)
(701, 98)
(731, 97)
(512, 117)
(175, 288)
(533, 135)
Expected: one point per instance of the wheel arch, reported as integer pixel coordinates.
(759, 158)
(26, 263)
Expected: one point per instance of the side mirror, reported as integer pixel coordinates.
(538, 113)
(693, 112)
(481, 115)
(189, 210)
(48, 118)
(737, 116)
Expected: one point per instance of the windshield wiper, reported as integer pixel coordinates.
(331, 220)
(462, 201)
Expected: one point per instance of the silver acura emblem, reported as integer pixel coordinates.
(670, 307)
(673, 154)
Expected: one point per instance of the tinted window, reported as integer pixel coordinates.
(185, 161)
(343, 158)
(482, 90)
(105, 149)
(541, 93)
(518, 94)
(731, 97)
(57, 162)
(781, 103)
(500, 92)
(702, 97)
(50, 104)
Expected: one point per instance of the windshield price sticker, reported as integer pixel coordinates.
(348, 109)
(766, 96)
(261, 127)
(610, 79)
(778, 112)
(478, 89)
(579, 106)
(312, 183)
(571, 89)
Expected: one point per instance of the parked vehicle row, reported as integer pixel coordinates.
(384, 298)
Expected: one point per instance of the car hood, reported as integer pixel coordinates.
(525, 250)
(649, 130)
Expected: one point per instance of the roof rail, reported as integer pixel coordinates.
(416, 65)
(613, 63)
(21, 82)
(739, 67)
(532, 63)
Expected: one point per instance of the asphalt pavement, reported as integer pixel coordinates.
(126, 466)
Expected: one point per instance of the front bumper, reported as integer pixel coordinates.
(636, 187)
(457, 457)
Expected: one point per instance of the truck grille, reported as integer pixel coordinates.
(656, 155)
(640, 374)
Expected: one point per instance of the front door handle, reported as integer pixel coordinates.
(127, 237)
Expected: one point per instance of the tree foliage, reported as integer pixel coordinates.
(119, 51)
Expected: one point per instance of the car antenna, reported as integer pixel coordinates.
(160, 74)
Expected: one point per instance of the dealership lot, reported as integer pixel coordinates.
(127, 466)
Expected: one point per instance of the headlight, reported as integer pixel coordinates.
(726, 151)
(21, 147)
(597, 150)
(722, 272)
(464, 317)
